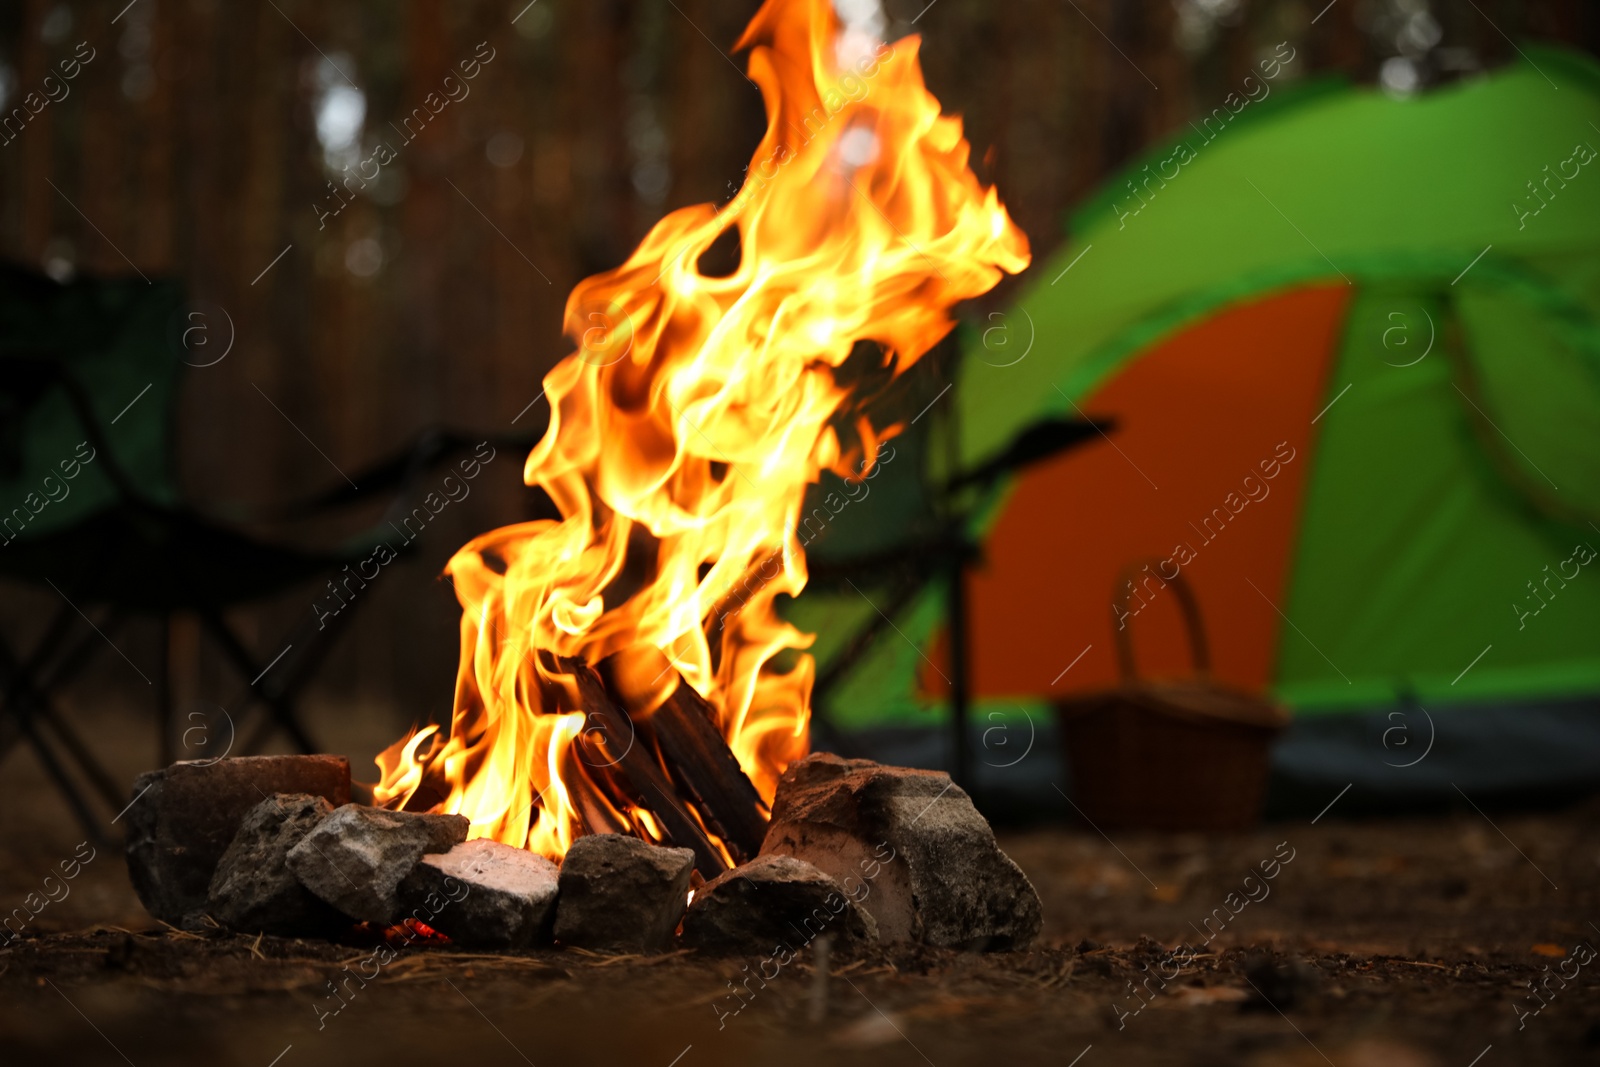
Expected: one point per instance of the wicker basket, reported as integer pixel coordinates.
(1169, 755)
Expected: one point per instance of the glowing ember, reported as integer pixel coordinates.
(685, 430)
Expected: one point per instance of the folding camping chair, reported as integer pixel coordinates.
(89, 375)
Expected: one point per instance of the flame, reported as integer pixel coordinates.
(687, 426)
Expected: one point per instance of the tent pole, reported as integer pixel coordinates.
(960, 692)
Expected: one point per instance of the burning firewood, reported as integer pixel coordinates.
(612, 738)
(690, 743)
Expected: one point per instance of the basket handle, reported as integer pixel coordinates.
(1199, 649)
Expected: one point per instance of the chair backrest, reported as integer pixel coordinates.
(88, 382)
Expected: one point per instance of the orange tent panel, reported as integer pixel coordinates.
(1203, 475)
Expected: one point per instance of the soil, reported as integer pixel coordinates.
(1392, 942)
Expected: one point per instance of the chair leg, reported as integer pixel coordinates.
(11, 736)
(12, 728)
(278, 705)
(64, 784)
(19, 673)
(58, 630)
(28, 706)
(163, 687)
(67, 665)
(90, 767)
(78, 655)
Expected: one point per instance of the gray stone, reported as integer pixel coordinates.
(253, 890)
(929, 864)
(621, 894)
(182, 819)
(774, 900)
(483, 894)
(355, 858)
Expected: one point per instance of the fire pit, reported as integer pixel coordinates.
(630, 705)
(856, 852)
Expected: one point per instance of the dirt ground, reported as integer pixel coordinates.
(1394, 942)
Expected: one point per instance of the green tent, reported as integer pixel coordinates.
(1402, 296)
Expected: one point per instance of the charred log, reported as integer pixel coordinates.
(613, 739)
(727, 608)
(701, 762)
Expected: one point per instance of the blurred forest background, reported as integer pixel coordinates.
(200, 141)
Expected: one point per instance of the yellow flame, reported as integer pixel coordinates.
(687, 425)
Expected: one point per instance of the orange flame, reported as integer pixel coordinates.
(687, 425)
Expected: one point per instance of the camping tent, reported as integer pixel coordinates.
(1351, 346)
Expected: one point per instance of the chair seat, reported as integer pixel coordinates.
(159, 560)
